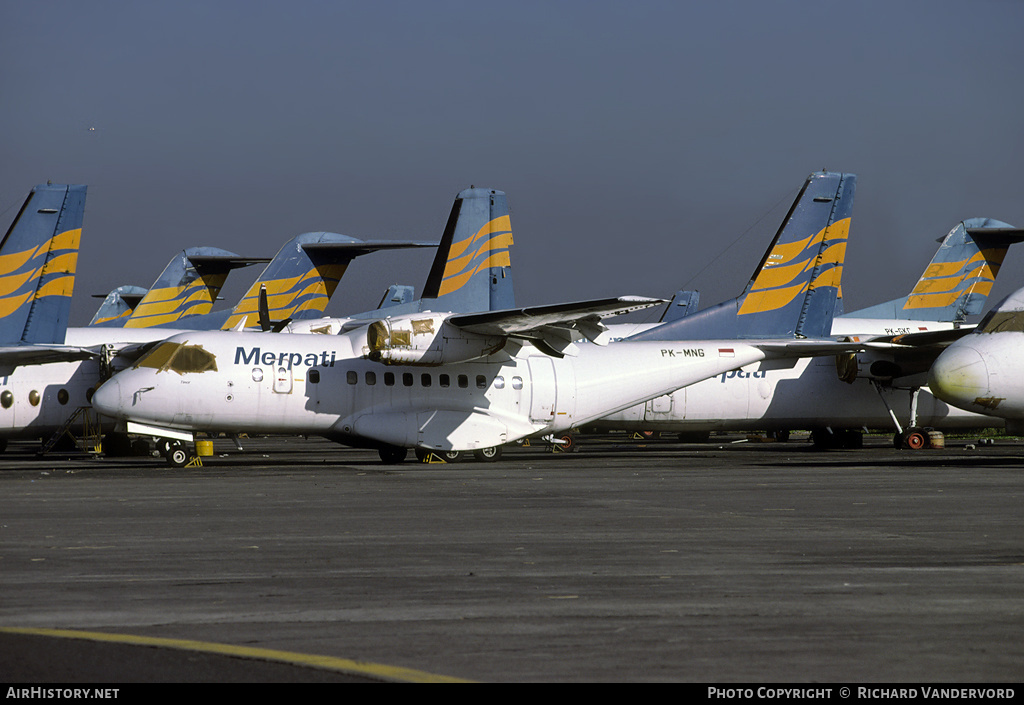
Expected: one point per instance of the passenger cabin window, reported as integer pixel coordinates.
(179, 357)
(389, 379)
(352, 377)
(499, 382)
(407, 379)
(444, 381)
(425, 379)
(481, 382)
(313, 377)
(463, 381)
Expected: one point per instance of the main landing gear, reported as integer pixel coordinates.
(392, 455)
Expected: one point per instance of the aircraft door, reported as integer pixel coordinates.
(659, 407)
(543, 393)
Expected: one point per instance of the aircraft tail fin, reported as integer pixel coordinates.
(795, 289)
(118, 304)
(472, 270)
(683, 304)
(957, 282)
(396, 295)
(301, 279)
(38, 260)
(188, 286)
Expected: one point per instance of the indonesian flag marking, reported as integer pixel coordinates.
(726, 352)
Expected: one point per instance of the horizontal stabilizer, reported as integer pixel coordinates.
(358, 248)
(1008, 235)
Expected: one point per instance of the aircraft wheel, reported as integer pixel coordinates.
(392, 455)
(451, 456)
(914, 439)
(178, 456)
(488, 455)
(567, 445)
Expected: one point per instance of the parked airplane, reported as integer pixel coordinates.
(981, 372)
(188, 287)
(440, 382)
(45, 399)
(38, 259)
(836, 398)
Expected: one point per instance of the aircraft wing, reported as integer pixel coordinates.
(552, 325)
(16, 355)
(803, 348)
(940, 338)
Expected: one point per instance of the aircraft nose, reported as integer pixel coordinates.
(959, 376)
(107, 399)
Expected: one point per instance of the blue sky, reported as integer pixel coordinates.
(644, 146)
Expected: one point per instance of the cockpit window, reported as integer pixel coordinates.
(179, 357)
(1000, 321)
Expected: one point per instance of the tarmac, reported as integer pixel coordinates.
(731, 561)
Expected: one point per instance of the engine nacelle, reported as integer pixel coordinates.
(883, 365)
(426, 339)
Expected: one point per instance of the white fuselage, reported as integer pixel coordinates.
(804, 393)
(780, 396)
(312, 384)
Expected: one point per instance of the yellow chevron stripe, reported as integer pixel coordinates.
(61, 286)
(829, 277)
(14, 282)
(11, 304)
(771, 300)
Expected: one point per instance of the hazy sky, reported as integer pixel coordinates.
(644, 146)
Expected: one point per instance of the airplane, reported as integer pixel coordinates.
(439, 382)
(38, 259)
(981, 372)
(877, 387)
(63, 387)
(187, 287)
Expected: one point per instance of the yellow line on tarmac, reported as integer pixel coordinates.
(377, 670)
